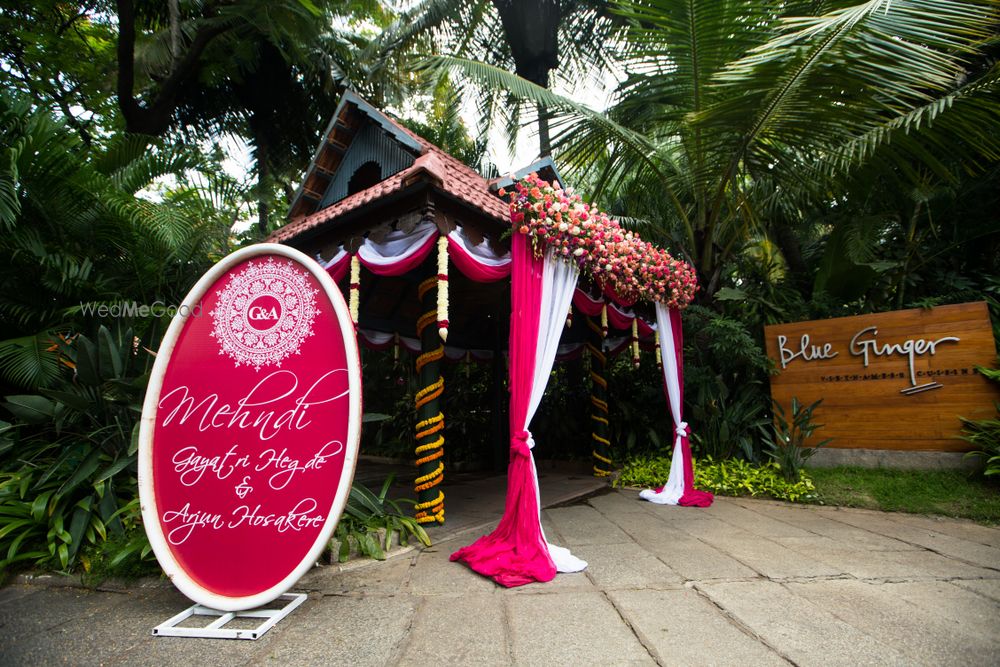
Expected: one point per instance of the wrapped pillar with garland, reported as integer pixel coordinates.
(431, 330)
(600, 428)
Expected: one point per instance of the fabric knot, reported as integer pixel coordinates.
(521, 444)
(682, 430)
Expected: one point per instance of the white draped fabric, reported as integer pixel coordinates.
(397, 247)
(481, 252)
(671, 493)
(336, 259)
(558, 282)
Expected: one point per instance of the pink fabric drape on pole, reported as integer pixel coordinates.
(692, 497)
(516, 553)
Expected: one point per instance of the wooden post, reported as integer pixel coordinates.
(430, 418)
(600, 429)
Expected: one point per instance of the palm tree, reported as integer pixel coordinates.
(542, 42)
(75, 233)
(739, 116)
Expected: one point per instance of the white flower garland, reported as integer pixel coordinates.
(442, 288)
(635, 342)
(355, 297)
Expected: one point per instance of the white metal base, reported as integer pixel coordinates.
(217, 630)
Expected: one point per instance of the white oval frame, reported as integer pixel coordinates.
(147, 497)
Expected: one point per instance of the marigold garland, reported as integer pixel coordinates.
(598, 360)
(436, 507)
(427, 452)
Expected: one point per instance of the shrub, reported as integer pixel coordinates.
(984, 434)
(366, 513)
(733, 477)
(784, 441)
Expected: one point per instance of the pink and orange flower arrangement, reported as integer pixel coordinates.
(614, 258)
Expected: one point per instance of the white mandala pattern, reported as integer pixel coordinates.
(289, 303)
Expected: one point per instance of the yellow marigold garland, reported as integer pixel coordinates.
(600, 406)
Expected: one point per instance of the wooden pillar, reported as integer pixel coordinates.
(600, 429)
(430, 418)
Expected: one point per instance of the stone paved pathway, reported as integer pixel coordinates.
(744, 582)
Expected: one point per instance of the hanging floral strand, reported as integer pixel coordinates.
(355, 296)
(635, 343)
(656, 344)
(442, 287)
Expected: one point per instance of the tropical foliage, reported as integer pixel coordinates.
(808, 158)
(733, 477)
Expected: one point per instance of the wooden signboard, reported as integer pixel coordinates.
(250, 428)
(897, 380)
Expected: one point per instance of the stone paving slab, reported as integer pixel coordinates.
(919, 533)
(977, 614)
(442, 628)
(691, 558)
(571, 629)
(680, 627)
(927, 638)
(799, 630)
(343, 631)
(582, 524)
(863, 564)
(745, 582)
(815, 525)
(616, 566)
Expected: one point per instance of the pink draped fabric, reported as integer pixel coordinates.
(516, 553)
(474, 269)
(585, 304)
(404, 265)
(618, 319)
(691, 497)
(338, 269)
(613, 295)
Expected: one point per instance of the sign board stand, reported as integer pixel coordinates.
(217, 628)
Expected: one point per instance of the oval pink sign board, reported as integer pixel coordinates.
(250, 428)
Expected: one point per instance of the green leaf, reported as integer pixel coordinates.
(730, 294)
(31, 409)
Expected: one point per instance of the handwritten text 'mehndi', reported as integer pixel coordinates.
(260, 408)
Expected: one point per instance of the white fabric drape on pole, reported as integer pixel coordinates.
(558, 282)
(674, 488)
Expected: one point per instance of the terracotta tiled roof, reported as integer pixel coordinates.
(447, 174)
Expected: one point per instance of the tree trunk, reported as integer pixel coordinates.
(531, 29)
(788, 243)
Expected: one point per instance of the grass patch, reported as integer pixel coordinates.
(944, 492)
